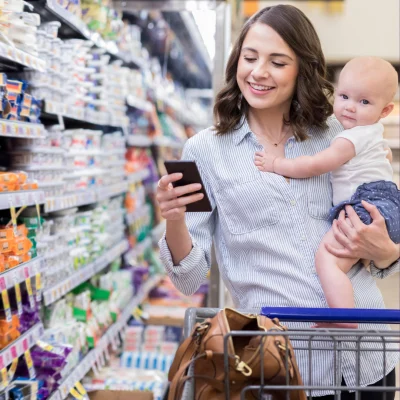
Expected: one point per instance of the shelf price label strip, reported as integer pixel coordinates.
(20, 346)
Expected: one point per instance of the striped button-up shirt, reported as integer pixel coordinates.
(266, 233)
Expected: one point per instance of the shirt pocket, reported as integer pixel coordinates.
(319, 196)
(246, 207)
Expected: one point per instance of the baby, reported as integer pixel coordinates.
(358, 161)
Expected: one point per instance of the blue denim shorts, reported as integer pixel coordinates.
(385, 196)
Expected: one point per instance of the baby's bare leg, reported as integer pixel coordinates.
(332, 272)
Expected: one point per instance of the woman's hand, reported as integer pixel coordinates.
(370, 242)
(264, 161)
(173, 206)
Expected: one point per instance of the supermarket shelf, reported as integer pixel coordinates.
(164, 141)
(158, 231)
(73, 200)
(18, 274)
(78, 114)
(112, 190)
(139, 141)
(139, 248)
(14, 55)
(108, 338)
(138, 176)
(72, 26)
(91, 196)
(21, 129)
(139, 103)
(53, 293)
(19, 346)
(141, 212)
(51, 10)
(21, 198)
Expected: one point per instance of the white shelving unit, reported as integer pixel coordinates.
(109, 338)
(10, 53)
(18, 274)
(21, 198)
(21, 129)
(19, 346)
(54, 293)
(138, 176)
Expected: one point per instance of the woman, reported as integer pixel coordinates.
(267, 228)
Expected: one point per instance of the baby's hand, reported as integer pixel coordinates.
(264, 161)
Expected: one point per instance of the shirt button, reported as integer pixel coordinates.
(303, 238)
(290, 145)
(293, 202)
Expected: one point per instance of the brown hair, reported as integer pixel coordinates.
(310, 104)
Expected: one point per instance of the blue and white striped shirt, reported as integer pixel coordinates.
(266, 234)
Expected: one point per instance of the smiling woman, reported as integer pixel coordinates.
(270, 66)
(265, 229)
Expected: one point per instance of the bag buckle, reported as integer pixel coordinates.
(200, 331)
(242, 367)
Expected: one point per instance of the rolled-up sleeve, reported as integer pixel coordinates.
(385, 272)
(192, 271)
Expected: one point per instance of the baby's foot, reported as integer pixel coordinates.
(333, 325)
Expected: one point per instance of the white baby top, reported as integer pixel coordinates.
(369, 165)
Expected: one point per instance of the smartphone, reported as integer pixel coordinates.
(190, 174)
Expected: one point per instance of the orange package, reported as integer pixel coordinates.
(2, 265)
(29, 186)
(7, 231)
(11, 261)
(8, 181)
(7, 326)
(6, 245)
(8, 338)
(21, 245)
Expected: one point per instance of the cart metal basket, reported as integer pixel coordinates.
(356, 343)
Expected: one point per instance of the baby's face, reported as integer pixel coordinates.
(359, 100)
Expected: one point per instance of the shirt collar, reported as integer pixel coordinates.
(242, 130)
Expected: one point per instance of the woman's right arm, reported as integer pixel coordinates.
(186, 255)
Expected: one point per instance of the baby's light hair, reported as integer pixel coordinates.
(381, 69)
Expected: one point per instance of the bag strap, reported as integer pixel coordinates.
(179, 379)
(186, 351)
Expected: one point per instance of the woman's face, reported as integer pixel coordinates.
(267, 69)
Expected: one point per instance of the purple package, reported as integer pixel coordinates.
(54, 357)
(29, 317)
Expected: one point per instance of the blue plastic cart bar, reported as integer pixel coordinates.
(360, 315)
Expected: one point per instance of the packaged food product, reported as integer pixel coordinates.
(11, 261)
(8, 181)
(6, 245)
(21, 245)
(6, 326)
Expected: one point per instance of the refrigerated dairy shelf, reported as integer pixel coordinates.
(51, 10)
(23, 59)
(20, 129)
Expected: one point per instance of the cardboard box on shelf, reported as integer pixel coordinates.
(120, 395)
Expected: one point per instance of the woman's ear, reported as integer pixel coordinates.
(387, 110)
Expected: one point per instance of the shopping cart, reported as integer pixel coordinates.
(358, 344)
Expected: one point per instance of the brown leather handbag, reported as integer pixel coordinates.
(204, 349)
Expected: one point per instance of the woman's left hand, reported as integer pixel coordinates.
(371, 242)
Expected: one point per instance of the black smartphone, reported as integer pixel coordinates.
(190, 174)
